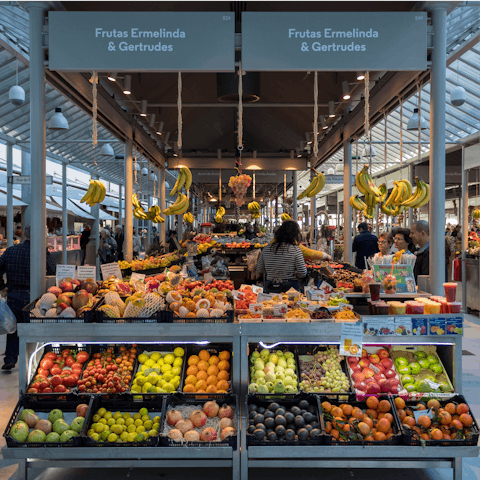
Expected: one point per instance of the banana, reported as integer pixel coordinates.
(179, 183)
(401, 189)
(177, 201)
(427, 196)
(312, 185)
(221, 211)
(177, 208)
(135, 201)
(218, 219)
(386, 210)
(409, 188)
(91, 189)
(367, 212)
(398, 210)
(366, 182)
(97, 193)
(384, 191)
(285, 216)
(252, 206)
(188, 217)
(391, 199)
(356, 203)
(188, 178)
(418, 196)
(358, 183)
(183, 208)
(319, 186)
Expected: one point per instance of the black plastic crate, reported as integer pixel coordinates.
(44, 407)
(58, 396)
(311, 350)
(86, 317)
(170, 317)
(163, 349)
(182, 399)
(289, 403)
(410, 437)
(213, 349)
(277, 396)
(122, 404)
(393, 440)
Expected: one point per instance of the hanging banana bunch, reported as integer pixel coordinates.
(402, 197)
(184, 180)
(179, 207)
(285, 217)
(357, 203)
(420, 197)
(219, 215)
(476, 214)
(364, 183)
(316, 186)
(95, 194)
(139, 213)
(188, 217)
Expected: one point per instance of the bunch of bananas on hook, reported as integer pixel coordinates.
(182, 202)
(95, 194)
(316, 186)
(254, 208)
(153, 213)
(219, 215)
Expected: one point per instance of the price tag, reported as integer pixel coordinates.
(371, 326)
(109, 269)
(326, 287)
(208, 278)
(351, 339)
(403, 326)
(238, 295)
(65, 271)
(280, 309)
(86, 271)
(256, 289)
(428, 413)
(138, 276)
(317, 295)
(433, 385)
(256, 308)
(264, 297)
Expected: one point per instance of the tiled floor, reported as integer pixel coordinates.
(471, 466)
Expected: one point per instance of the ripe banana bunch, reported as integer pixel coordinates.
(188, 217)
(357, 203)
(256, 215)
(95, 194)
(476, 214)
(254, 207)
(140, 214)
(135, 202)
(384, 191)
(316, 186)
(218, 218)
(184, 180)
(364, 183)
(153, 213)
(179, 207)
(219, 215)
(402, 190)
(285, 217)
(221, 211)
(420, 197)
(369, 211)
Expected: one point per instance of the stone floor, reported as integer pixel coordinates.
(471, 466)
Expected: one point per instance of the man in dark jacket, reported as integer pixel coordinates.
(84, 239)
(365, 244)
(119, 237)
(420, 234)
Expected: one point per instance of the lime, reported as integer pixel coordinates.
(140, 437)
(155, 356)
(131, 429)
(102, 411)
(112, 437)
(178, 362)
(104, 435)
(110, 422)
(142, 358)
(117, 429)
(166, 368)
(117, 415)
(99, 427)
(145, 418)
(179, 352)
(138, 422)
(169, 358)
(140, 429)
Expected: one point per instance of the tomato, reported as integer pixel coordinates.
(56, 380)
(43, 385)
(44, 372)
(77, 372)
(47, 390)
(69, 361)
(32, 390)
(77, 365)
(55, 370)
(60, 388)
(82, 357)
(51, 355)
(81, 388)
(65, 353)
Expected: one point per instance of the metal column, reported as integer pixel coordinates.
(437, 149)
(9, 195)
(411, 177)
(96, 231)
(64, 213)
(294, 195)
(347, 208)
(128, 239)
(464, 208)
(161, 183)
(149, 225)
(38, 244)
(120, 214)
(313, 211)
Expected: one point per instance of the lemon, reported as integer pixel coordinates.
(143, 368)
(141, 380)
(179, 352)
(102, 411)
(89, 433)
(176, 370)
(120, 421)
(156, 419)
(99, 427)
(153, 378)
(136, 416)
(178, 362)
(117, 429)
(112, 437)
(146, 387)
(103, 421)
(131, 429)
(168, 376)
(136, 389)
(155, 356)
(166, 368)
(140, 429)
(169, 387)
(159, 390)
(108, 415)
(160, 362)
(131, 437)
(148, 425)
(140, 374)
(129, 421)
(142, 358)
(138, 422)
(95, 436)
(149, 362)
(145, 418)
(158, 367)
(124, 437)
(110, 422)
(153, 433)
(145, 434)
(117, 415)
(169, 358)
(96, 418)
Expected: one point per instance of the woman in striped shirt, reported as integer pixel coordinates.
(282, 261)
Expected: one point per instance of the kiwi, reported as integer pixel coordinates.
(303, 434)
(273, 407)
(289, 417)
(259, 418)
(280, 431)
(280, 411)
(259, 434)
(303, 404)
(280, 420)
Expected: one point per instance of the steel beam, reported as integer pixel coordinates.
(128, 235)
(9, 195)
(347, 208)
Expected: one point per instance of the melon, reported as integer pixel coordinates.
(174, 296)
(203, 313)
(203, 304)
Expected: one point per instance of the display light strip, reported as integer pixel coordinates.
(273, 345)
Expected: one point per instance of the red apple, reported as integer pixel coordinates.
(361, 386)
(368, 372)
(369, 380)
(380, 368)
(374, 359)
(350, 359)
(374, 388)
(364, 353)
(379, 376)
(394, 389)
(387, 362)
(394, 382)
(358, 377)
(385, 386)
(364, 362)
(382, 353)
(356, 367)
(390, 373)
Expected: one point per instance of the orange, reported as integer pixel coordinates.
(457, 424)
(357, 412)
(336, 412)
(202, 375)
(222, 385)
(202, 365)
(383, 425)
(424, 421)
(446, 436)
(380, 436)
(391, 434)
(409, 412)
(190, 305)
(335, 433)
(192, 370)
(346, 427)
(381, 415)
(213, 360)
(364, 428)
(191, 380)
(211, 389)
(388, 416)
(222, 391)
(384, 406)
(433, 403)
(193, 360)
(466, 419)
(326, 406)
(399, 403)
(445, 429)
(347, 409)
(224, 365)
(212, 370)
(436, 434)
(372, 402)
(223, 375)
(175, 306)
(201, 391)
(369, 438)
(417, 429)
(401, 414)
(201, 385)
(450, 408)
(224, 355)
(328, 427)
(410, 421)
(445, 418)
(421, 406)
(196, 298)
(204, 355)
(339, 422)
(189, 388)
(368, 421)
(462, 408)
(425, 436)
(191, 315)
(371, 413)
(212, 380)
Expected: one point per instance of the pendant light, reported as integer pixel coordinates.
(127, 88)
(413, 122)
(360, 76)
(144, 171)
(58, 121)
(331, 109)
(143, 109)
(153, 177)
(331, 171)
(16, 95)
(346, 90)
(369, 151)
(112, 76)
(323, 122)
(339, 167)
(458, 96)
(106, 150)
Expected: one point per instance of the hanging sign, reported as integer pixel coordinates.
(142, 41)
(65, 271)
(335, 41)
(351, 339)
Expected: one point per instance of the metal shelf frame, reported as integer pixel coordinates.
(241, 459)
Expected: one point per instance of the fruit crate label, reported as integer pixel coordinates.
(418, 413)
(454, 326)
(420, 326)
(403, 326)
(403, 274)
(437, 326)
(65, 271)
(433, 385)
(280, 309)
(317, 295)
(86, 271)
(111, 269)
(138, 276)
(256, 308)
(351, 339)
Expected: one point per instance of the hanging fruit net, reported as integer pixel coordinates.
(239, 185)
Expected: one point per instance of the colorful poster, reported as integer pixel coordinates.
(403, 274)
(351, 339)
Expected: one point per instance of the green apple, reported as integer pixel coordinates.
(432, 359)
(290, 371)
(406, 379)
(269, 386)
(262, 389)
(436, 368)
(260, 381)
(289, 355)
(424, 363)
(282, 362)
(273, 358)
(265, 352)
(420, 355)
(400, 361)
(279, 387)
(253, 388)
(290, 389)
(415, 368)
(410, 387)
(259, 374)
(288, 380)
(255, 354)
(404, 369)
(259, 365)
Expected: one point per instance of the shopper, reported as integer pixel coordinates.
(458, 233)
(119, 237)
(136, 243)
(15, 263)
(171, 241)
(385, 242)
(84, 239)
(249, 232)
(420, 233)
(403, 240)
(108, 246)
(365, 244)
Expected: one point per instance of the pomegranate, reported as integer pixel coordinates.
(227, 432)
(211, 408)
(208, 435)
(184, 425)
(80, 299)
(192, 436)
(173, 416)
(225, 422)
(175, 435)
(198, 418)
(226, 411)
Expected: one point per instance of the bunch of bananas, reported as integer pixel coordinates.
(254, 207)
(476, 214)
(364, 183)
(402, 197)
(188, 217)
(285, 217)
(139, 213)
(219, 215)
(184, 180)
(179, 207)
(95, 193)
(316, 186)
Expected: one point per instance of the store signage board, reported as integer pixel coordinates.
(403, 274)
(333, 179)
(109, 269)
(142, 41)
(351, 339)
(334, 41)
(85, 272)
(65, 271)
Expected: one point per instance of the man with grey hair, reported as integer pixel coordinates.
(15, 264)
(420, 235)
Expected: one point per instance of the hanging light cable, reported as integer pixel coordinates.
(179, 107)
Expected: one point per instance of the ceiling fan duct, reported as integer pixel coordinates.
(227, 87)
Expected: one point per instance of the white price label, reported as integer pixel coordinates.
(65, 271)
(86, 271)
(256, 308)
(111, 269)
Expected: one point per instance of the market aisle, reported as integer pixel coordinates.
(471, 467)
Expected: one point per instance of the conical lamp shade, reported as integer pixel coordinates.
(413, 122)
